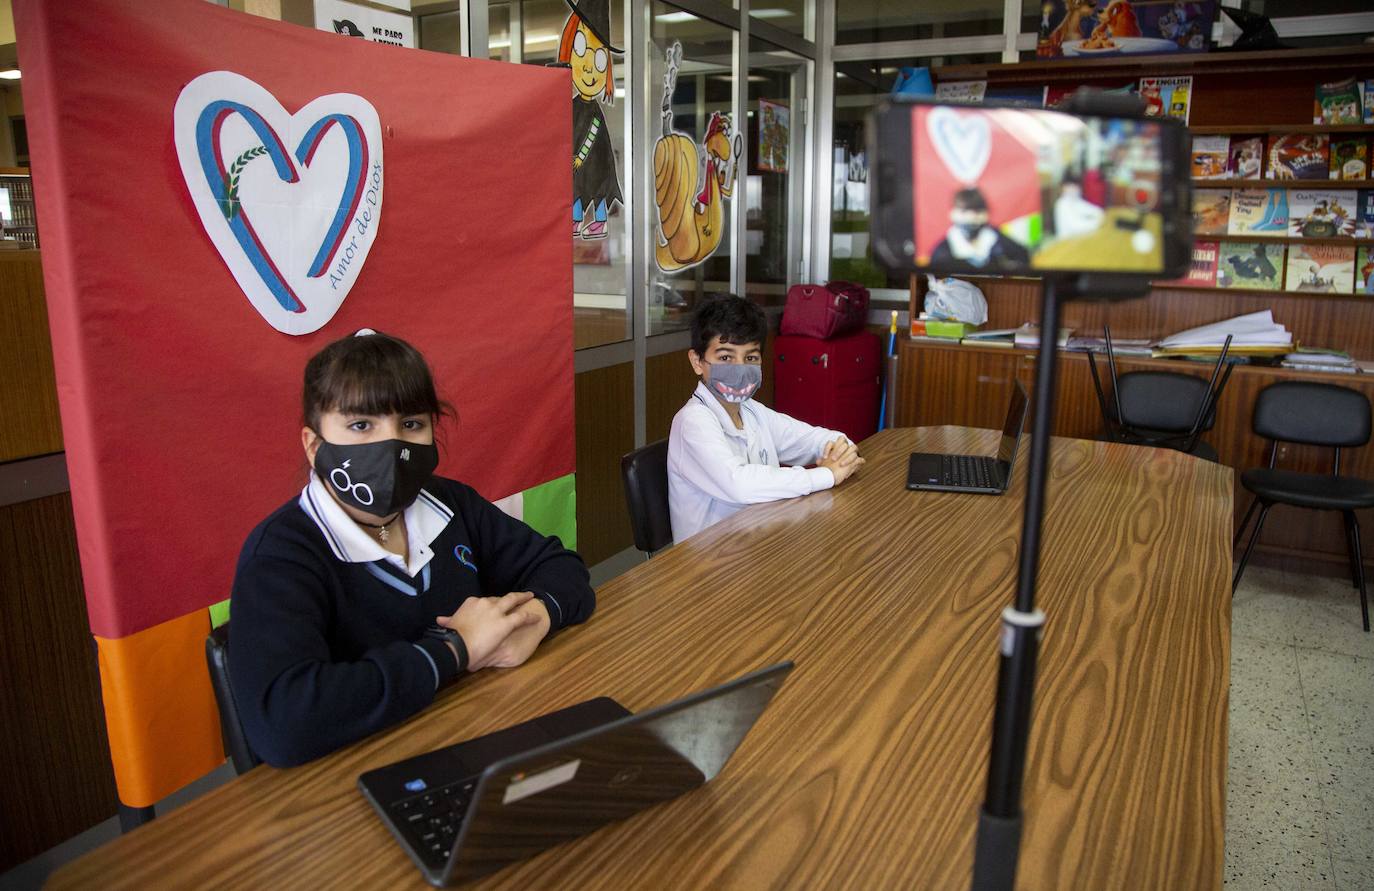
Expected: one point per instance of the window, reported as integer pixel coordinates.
(440, 31)
(789, 15)
(690, 197)
(859, 88)
(776, 171)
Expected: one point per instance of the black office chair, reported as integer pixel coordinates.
(1319, 415)
(645, 472)
(1166, 409)
(235, 743)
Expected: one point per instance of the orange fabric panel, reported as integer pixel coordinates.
(160, 708)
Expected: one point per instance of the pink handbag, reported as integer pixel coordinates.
(825, 311)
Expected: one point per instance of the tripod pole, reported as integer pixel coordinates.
(999, 821)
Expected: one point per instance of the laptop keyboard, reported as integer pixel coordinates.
(967, 472)
(430, 820)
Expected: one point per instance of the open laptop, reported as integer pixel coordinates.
(476, 806)
(973, 473)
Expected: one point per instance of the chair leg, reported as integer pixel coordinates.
(1350, 549)
(1249, 548)
(1359, 566)
(1250, 512)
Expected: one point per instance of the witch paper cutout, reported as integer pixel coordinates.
(691, 182)
(586, 48)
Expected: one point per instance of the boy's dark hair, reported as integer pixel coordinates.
(371, 374)
(731, 318)
(970, 199)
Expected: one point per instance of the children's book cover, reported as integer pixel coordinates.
(1082, 28)
(1298, 156)
(1349, 158)
(1364, 213)
(1320, 268)
(1258, 212)
(1253, 265)
(1321, 213)
(1364, 270)
(1210, 157)
(1211, 211)
(1337, 103)
(1247, 158)
(1167, 96)
(1203, 269)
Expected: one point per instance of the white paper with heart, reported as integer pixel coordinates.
(292, 202)
(962, 140)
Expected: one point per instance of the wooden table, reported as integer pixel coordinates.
(868, 769)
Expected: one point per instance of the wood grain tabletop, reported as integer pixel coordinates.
(868, 769)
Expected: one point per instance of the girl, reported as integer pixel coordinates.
(356, 601)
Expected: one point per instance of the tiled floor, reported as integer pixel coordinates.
(1300, 794)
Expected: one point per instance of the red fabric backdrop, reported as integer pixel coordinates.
(180, 403)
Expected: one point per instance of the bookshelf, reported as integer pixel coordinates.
(1240, 94)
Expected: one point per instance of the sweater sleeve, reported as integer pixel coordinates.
(699, 453)
(513, 557)
(797, 441)
(296, 703)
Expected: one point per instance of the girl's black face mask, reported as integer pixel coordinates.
(377, 477)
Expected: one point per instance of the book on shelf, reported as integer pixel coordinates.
(1211, 211)
(1254, 333)
(1364, 213)
(1320, 268)
(1202, 271)
(1332, 361)
(1028, 336)
(1258, 212)
(1250, 265)
(1349, 158)
(1364, 269)
(1246, 158)
(1167, 96)
(1321, 213)
(1211, 155)
(968, 92)
(1121, 346)
(1337, 103)
(1011, 94)
(1298, 156)
(1367, 99)
(1002, 343)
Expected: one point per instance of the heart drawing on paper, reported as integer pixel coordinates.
(962, 140)
(292, 202)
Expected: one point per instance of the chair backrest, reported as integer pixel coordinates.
(1310, 413)
(1167, 401)
(645, 471)
(235, 743)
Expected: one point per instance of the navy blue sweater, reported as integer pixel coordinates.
(323, 652)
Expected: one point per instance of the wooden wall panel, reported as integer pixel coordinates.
(28, 396)
(1345, 323)
(969, 386)
(54, 754)
(605, 432)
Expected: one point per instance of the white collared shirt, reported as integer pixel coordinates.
(426, 517)
(715, 468)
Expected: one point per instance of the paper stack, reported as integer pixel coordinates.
(1321, 360)
(1253, 334)
(1028, 336)
(1121, 346)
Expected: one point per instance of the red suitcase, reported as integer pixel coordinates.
(830, 383)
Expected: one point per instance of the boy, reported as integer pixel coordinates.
(725, 449)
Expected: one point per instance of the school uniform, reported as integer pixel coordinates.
(714, 468)
(327, 644)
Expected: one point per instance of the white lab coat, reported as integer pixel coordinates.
(714, 468)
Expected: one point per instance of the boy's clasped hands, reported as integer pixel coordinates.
(841, 458)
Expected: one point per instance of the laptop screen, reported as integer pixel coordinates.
(1011, 429)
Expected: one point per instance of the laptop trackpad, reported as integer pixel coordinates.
(924, 469)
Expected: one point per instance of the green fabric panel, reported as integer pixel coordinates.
(551, 509)
(219, 613)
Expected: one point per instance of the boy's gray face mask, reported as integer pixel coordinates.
(734, 382)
